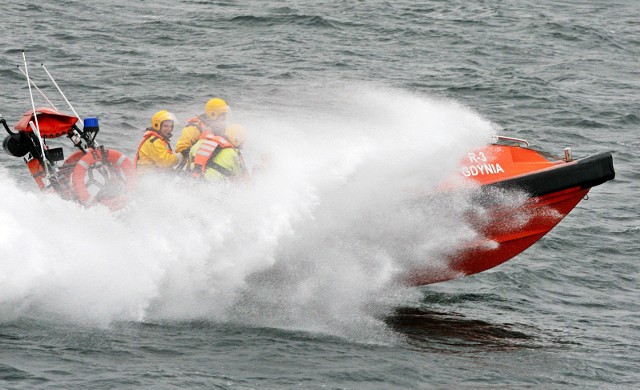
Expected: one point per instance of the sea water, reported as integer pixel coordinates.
(290, 280)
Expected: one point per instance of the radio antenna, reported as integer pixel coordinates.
(35, 128)
(59, 90)
(36, 87)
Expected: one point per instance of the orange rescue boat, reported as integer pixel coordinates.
(551, 186)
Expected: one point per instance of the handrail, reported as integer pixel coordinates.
(517, 140)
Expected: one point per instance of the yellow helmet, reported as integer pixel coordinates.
(215, 107)
(236, 134)
(162, 116)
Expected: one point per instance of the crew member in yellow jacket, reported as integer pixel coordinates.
(214, 120)
(216, 157)
(154, 152)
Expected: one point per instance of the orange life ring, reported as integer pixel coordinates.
(70, 164)
(120, 177)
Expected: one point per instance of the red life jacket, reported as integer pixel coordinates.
(148, 134)
(199, 124)
(208, 149)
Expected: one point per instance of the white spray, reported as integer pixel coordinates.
(314, 241)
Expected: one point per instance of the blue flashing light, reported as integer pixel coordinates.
(90, 122)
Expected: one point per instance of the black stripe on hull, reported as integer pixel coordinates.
(584, 173)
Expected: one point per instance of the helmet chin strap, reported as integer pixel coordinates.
(166, 135)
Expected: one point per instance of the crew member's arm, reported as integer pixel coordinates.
(189, 136)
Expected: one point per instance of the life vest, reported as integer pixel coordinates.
(149, 134)
(207, 151)
(199, 124)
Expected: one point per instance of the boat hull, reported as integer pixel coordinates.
(507, 229)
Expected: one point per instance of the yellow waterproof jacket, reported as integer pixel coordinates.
(154, 154)
(225, 163)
